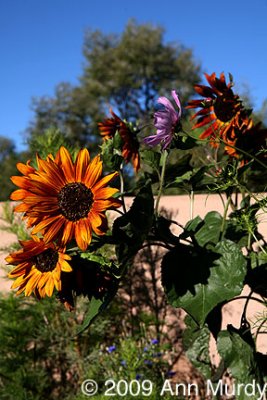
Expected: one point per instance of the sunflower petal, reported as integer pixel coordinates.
(67, 232)
(93, 172)
(66, 164)
(49, 287)
(104, 181)
(65, 266)
(81, 164)
(104, 193)
(83, 234)
(52, 232)
(102, 205)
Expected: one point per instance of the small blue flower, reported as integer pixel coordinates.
(170, 374)
(123, 362)
(154, 341)
(157, 354)
(138, 377)
(148, 362)
(146, 349)
(110, 349)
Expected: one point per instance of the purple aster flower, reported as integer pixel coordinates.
(165, 120)
(154, 341)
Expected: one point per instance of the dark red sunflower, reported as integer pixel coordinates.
(221, 111)
(86, 279)
(130, 147)
(250, 141)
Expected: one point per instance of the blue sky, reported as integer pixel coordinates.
(41, 43)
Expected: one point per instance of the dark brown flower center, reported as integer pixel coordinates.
(75, 201)
(46, 261)
(224, 108)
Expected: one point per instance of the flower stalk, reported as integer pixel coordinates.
(161, 182)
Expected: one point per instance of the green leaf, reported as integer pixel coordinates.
(235, 232)
(196, 344)
(210, 231)
(111, 157)
(105, 262)
(93, 310)
(191, 227)
(117, 141)
(151, 158)
(183, 178)
(198, 176)
(187, 177)
(97, 305)
(258, 259)
(237, 349)
(205, 231)
(184, 142)
(181, 167)
(132, 228)
(243, 222)
(198, 279)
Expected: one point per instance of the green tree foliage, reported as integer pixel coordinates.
(8, 159)
(69, 111)
(130, 70)
(126, 72)
(7, 147)
(261, 114)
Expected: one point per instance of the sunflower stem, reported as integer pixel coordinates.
(243, 316)
(258, 243)
(249, 242)
(224, 217)
(122, 189)
(161, 181)
(192, 198)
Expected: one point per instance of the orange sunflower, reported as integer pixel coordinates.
(63, 199)
(221, 109)
(130, 148)
(38, 267)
